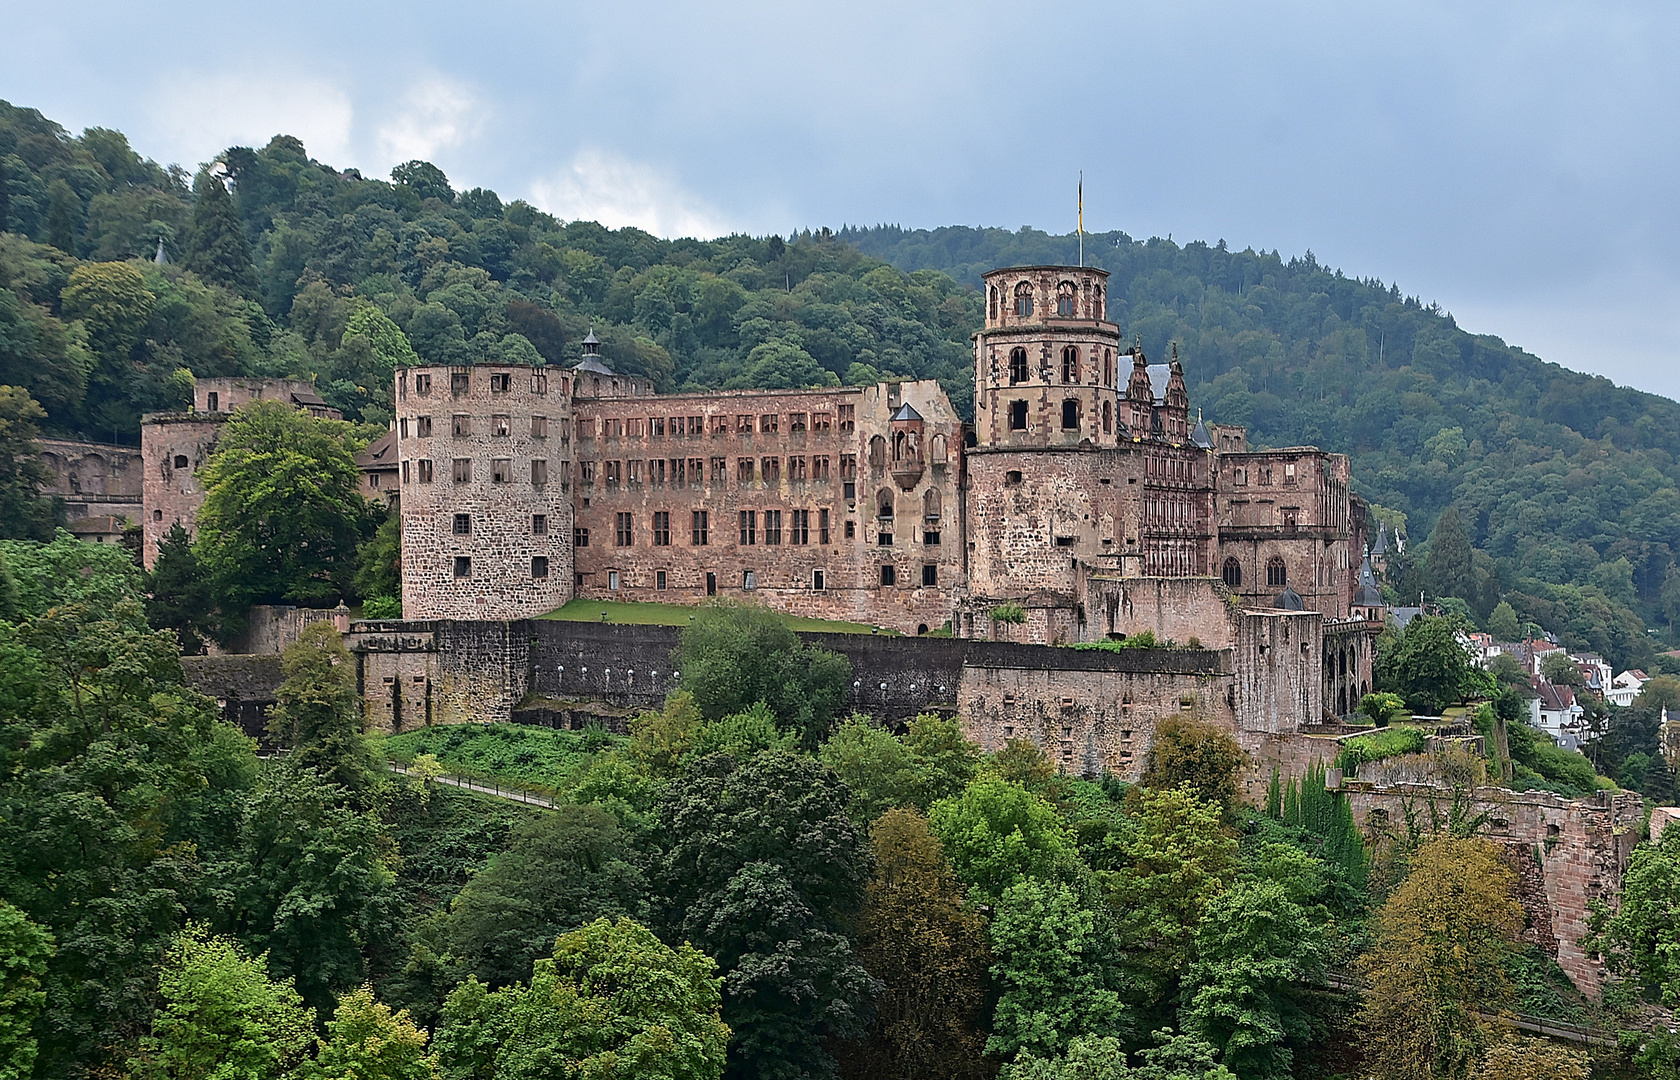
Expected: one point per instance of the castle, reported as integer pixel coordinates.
(1083, 476)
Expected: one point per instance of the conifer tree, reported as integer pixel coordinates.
(61, 217)
(219, 252)
(1450, 571)
(180, 598)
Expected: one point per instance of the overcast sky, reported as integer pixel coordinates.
(1516, 162)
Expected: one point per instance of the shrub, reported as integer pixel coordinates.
(1387, 743)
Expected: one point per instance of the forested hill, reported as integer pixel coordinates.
(121, 281)
(1559, 478)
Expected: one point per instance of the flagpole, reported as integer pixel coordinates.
(1081, 217)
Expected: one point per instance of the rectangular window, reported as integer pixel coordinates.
(612, 429)
(720, 471)
(797, 468)
(463, 566)
(699, 528)
(463, 524)
(930, 575)
(500, 382)
(633, 428)
(696, 472)
(422, 384)
(796, 423)
(539, 427)
(744, 424)
(405, 471)
(659, 579)
(463, 470)
(771, 470)
(1289, 473)
(930, 538)
(749, 580)
(1017, 416)
(678, 473)
(656, 472)
(580, 538)
(463, 425)
(819, 467)
(586, 473)
(889, 575)
(800, 532)
(373, 482)
(565, 428)
(883, 539)
(848, 418)
(501, 470)
(402, 427)
(656, 427)
(851, 530)
(848, 466)
(539, 566)
(423, 470)
(622, 531)
(820, 423)
(743, 471)
(749, 528)
(662, 528)
(539, 524)
(676, 427)
(586, 428)
(822, 525)
(539, 385)
(772, 526)
(501, 425)
(696, 426)
(819, 580)
(539, 472)
(767, 424)
(459, 382)
(422, 427)
(634, 478)
(615, 473)
(720, 425)
(612, 580)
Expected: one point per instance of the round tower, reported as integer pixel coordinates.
(1045, 365)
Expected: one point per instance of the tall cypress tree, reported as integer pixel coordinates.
(61, 217)
(219, 252)
(1450, 572)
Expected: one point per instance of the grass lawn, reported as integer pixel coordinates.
(679, 615)
(542, 759)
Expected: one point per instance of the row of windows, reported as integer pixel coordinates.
(1072, 368)
(1277, 574)
(1072, 415)
(769, 527)
(460, 382)
(693, 472)
(501, 426)
(461, 471)
(749, 578)
(1263, 474)
(1169, 512)
(694, 427)
(1067, 301)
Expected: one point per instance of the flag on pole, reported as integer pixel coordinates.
(1081, 217)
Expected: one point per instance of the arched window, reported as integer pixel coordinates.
(1108, 368)
(1232, 573)
(936, 450)
(1023, 300)
(878, 452)
(1070, 364)
(1343, 664)
(1070, 414)
(1067, 300)
(1277, 575)
(884, 503)
(1018, 364)
(992, 308)
(931, 504)
(1108, 419)
(1097, 302)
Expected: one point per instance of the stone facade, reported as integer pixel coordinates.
(94, 479)
(485, 458)
(834, 504)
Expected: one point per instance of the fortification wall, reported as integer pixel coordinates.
(173, 447)
(94, 479)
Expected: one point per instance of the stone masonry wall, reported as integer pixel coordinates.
(94, 479)
(485, 458)
(173, 447)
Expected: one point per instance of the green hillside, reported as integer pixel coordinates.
(1566, 483)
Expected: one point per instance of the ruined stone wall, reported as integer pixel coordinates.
(244, 687)
(227, 394)
(173, 447)
(1183, 610)
(485, 458)
(1277, 664)
(94, 479)
(1349, 656)
(829, 454)
(272, 627)
(1295, 506)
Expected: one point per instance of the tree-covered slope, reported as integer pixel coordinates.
(1566, 482)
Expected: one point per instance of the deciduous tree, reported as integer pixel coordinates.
(997, 832)
(367, 1041)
